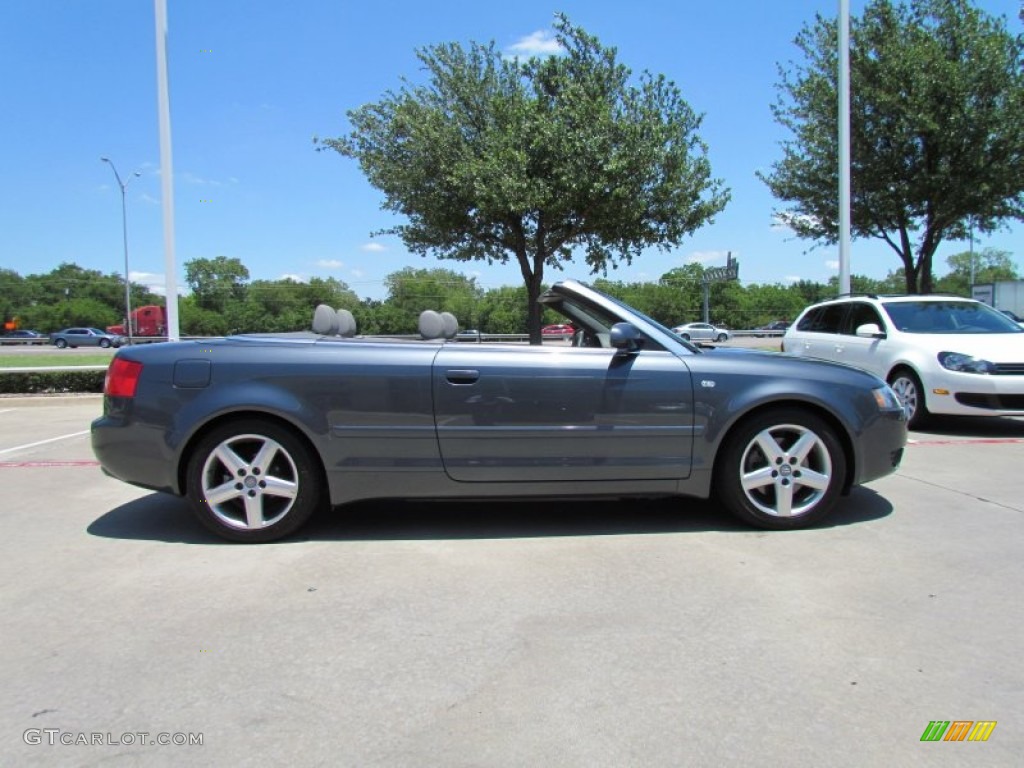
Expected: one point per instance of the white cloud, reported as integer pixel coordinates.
(330, 263)
(708, 257)
(540, 43)
(832, 264)
(786, 220)
(372, 247)
(358, 273)
(296, 278)
(155, 282)
(792, 278)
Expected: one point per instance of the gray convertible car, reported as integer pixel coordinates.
(259, 431)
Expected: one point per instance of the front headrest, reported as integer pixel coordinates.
(451, 325)
(431, 324)
(346, 323)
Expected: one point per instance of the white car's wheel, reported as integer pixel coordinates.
(253, 481)
(907, 386)
(781, 469)
(721, 337)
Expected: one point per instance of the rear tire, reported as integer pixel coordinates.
(781, 469)
(907, 386)
(253, 481)
(105, 343)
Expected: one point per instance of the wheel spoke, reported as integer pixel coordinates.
(254, 511)
(265, 455)
(276, 486)
(768, 445)
(784, 499)
(230, 459)
(222, 493)
(812, 479)
(803, 446)
(759, 478)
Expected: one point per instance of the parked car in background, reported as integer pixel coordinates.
(558, 331)
(24, 336)
(775, 328)
(702, 332)
(258, 432)
(1013, 317)
(470, 334)
(941, 354)
(85, 337)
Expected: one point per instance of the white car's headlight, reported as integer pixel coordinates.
(887, 399)
(957, 361)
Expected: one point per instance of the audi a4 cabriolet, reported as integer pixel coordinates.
(260, 431)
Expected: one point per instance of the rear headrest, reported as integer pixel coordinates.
(431, 324)
(346, 323)
(325, 320)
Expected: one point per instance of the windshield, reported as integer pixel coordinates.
(689, 345)
(965, 317)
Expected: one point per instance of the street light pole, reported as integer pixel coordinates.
(124, 230)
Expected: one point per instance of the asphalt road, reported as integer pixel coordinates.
(569, 634)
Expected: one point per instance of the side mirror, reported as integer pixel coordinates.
(625, 338)
(871, 330)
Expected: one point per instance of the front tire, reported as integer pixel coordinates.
(907, 386)
(781, 469)
(253, 481)
(721, 338)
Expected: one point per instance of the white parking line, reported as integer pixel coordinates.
(43, 442)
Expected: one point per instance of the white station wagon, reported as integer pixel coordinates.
(941, 354)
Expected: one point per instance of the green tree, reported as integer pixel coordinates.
(986, 266)
(215, 282)
(497, 159)
(411, 290)
(937, 129)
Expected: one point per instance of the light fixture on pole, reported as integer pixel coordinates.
(124, 230)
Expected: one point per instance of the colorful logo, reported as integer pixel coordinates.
(958, 730)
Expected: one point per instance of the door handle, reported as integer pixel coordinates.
(462, 377)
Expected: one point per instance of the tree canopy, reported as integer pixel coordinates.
(937, 129)
(498, 159)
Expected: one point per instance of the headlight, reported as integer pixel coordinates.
(956, 361)
(887, 399)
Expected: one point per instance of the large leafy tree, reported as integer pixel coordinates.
(216, 282)
(937, 129)
(499, 159)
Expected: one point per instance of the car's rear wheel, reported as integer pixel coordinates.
(253, 481)
(105, 343)
(60, 344)
(781, 469)
(907, 386)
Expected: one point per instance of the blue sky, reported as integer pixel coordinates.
(252, 82)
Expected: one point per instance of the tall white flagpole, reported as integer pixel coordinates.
(844, 146)
(166, 170)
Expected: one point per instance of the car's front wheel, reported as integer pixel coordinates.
(253, 481)
(908, 389)
(722, 337)
(781, 469)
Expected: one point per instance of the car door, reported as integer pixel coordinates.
(532, 414)
(817, 333)
(860, 351)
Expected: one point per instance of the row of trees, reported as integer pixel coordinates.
(224, 300)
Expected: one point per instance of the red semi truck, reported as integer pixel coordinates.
(150, 320)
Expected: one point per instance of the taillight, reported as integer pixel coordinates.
(122, 378)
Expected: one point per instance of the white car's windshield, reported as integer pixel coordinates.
(948, 317)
